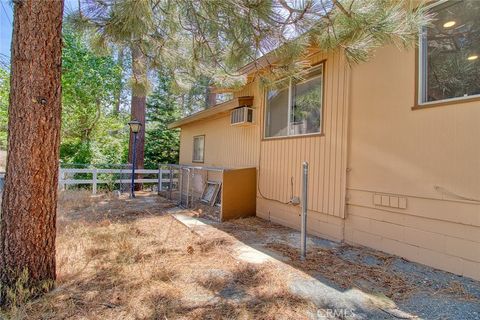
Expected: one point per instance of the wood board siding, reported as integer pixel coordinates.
(239, 193)
(225, 145)
(281, 159)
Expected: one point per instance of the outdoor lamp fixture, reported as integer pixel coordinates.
(135, 127)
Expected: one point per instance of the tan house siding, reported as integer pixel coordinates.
(319, 224)
(225, 145)
(398, 152)
(281, 159)
(410, 172)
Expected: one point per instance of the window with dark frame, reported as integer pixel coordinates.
(198, 148)
(294, 108)
(449, 52)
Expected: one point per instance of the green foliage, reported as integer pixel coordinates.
(213, 39)
(203, 43)
(361, 26)
(4, 94)
(161, 144)
(91, 131)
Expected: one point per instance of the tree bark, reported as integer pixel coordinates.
(118, 94)
(27, 226)
(210, 97)
(138, 106)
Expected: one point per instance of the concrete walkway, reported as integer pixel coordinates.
(332, 303)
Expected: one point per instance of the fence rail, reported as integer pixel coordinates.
(161, 176)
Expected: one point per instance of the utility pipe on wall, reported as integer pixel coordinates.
(304, 201)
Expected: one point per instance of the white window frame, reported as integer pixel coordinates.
(421, 93)
(290, 101)
(202, 136)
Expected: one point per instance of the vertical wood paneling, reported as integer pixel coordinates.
(279, 160)
(225, 145)
(282, 159)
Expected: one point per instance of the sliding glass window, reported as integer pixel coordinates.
(295, 107)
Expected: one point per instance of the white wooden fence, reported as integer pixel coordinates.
(160, 174)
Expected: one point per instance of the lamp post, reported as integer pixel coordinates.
(135, 127)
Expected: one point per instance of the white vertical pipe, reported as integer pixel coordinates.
(303, 240)
(94, 186)
(160, 174)
(188, 188)
(180, 184)
(170, 187)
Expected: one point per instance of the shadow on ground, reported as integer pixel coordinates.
(413, 288)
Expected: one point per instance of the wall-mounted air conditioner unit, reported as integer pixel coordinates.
(241, 116)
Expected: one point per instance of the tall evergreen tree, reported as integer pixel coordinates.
(27, 224)
(162, 144)
(118, 25)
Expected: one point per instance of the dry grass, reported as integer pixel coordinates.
(123, 259)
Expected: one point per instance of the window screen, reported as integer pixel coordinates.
(198, 148)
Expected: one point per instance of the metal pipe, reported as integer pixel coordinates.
(303, 240)
(132, 187)
(170, 187)
(160, 173)
(180, 185)
(187, 188)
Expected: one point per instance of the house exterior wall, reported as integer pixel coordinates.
(281, 161)
(225, 145)
(420, 157)
(404, 166)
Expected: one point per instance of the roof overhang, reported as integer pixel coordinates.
(216, 110)
(272, 59)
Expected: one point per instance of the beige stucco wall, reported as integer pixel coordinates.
(389, 150)
(404, 154)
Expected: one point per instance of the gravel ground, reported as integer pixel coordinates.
(412, 289)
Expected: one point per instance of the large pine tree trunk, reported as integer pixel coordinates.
(27, 227)
(138, 106)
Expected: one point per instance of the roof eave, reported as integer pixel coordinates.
(213, 111)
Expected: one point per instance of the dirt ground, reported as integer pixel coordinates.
(128, 259)
(131, 259)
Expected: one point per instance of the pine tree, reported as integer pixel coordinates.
(27, 225)
(119, 25)
(162, 144)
